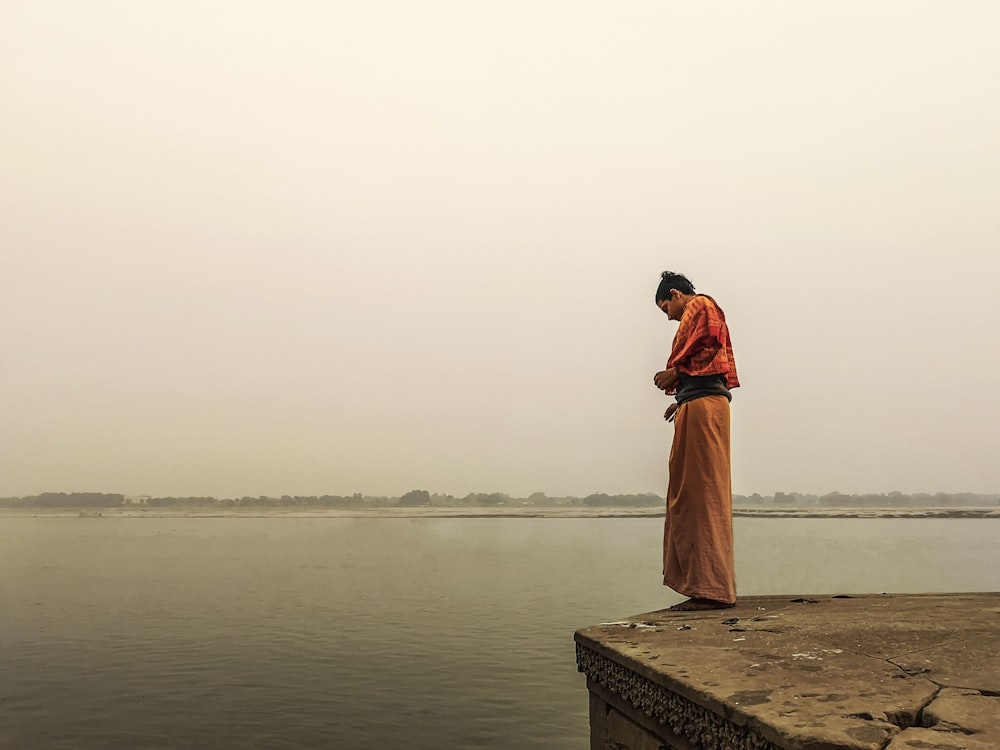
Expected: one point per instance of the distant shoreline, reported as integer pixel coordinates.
(492, 512)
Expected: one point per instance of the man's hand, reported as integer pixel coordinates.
(665, 380)
(670, 412)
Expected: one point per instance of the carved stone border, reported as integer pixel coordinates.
(696, 724)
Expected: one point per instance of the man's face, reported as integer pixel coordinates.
(673, 305)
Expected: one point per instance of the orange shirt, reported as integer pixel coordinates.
(702, 345)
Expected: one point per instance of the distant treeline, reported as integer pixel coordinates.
(424, 498)
(870, 500)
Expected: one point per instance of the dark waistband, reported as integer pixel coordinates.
(690, 387)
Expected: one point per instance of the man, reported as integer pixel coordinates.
(698, 530)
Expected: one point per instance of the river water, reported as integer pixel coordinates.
(371, 632)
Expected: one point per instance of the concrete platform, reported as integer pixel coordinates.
(886, 672)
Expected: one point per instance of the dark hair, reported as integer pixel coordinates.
(670, 280)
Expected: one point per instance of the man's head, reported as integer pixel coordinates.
(673, 293)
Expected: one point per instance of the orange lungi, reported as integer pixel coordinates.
(698, 531)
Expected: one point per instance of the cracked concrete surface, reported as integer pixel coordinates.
(956, 718)
(879, 672)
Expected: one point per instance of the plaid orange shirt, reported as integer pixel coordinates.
(702, 345)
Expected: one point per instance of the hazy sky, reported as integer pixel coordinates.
(335, 247)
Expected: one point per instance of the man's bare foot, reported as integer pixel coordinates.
(696, 605)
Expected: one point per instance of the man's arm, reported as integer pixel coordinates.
(698, 337)
(666, 380)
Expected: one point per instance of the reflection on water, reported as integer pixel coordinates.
(375, 633)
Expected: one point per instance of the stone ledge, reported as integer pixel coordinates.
(956, 718)
(802, 673)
